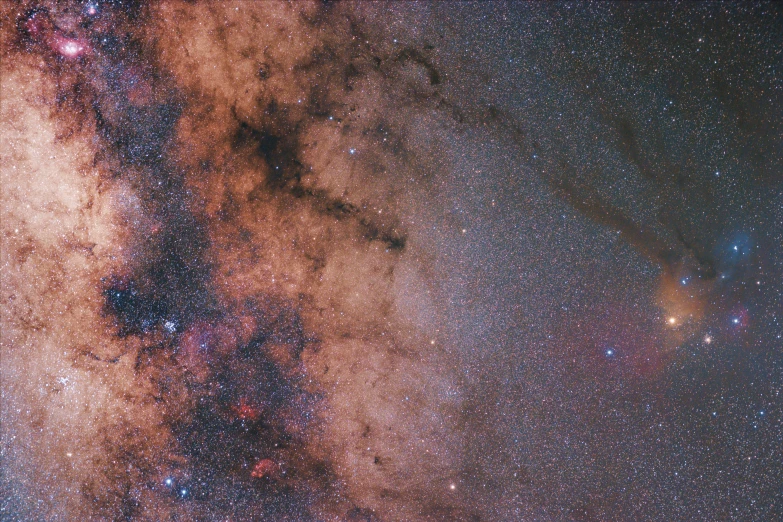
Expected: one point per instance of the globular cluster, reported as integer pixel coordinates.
(373, 261)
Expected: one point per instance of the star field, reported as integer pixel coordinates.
(376, 261)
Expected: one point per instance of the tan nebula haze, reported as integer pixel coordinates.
(310, 269)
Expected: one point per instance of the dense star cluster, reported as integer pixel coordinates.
(371, 261)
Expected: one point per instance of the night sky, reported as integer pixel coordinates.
(402, 261)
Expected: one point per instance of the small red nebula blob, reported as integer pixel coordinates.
(206, 339)
(266, 468)
(140, 91)
(740, 317)
(38, 25)
(246, 411)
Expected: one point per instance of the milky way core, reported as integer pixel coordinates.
(391, 262)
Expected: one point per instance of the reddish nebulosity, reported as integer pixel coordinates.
(140, 88)
(203, 343)
(266, 468)
(222, 361)
(68, 47)
(247, 411)
(201, 337)
(41, 30)
(38, 25)
(609, 333)
(155, 228)
(220, 337)
(740, 318)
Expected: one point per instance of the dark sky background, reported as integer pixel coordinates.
(622, 145)
(392, 261)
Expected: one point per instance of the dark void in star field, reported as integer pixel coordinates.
(400, 261)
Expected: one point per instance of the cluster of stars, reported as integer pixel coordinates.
(181, 491)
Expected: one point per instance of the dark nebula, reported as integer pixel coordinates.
(372, 261)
